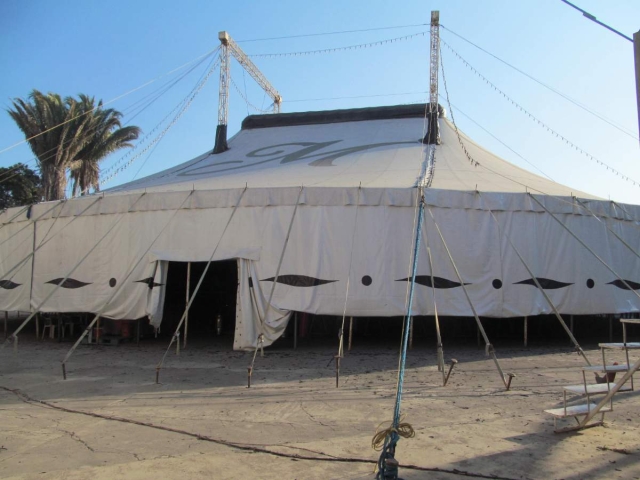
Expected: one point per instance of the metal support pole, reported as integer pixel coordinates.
(350, 333)
(295, 330)
(453, 364)
(338, 371)
(6, 320)
(98, 332)
(571, 324)
(610, 328)
(186, 318)
(411, 333)
(37, 325)
(636, 56)
(178, 343)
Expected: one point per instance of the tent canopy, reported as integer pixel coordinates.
(333, 179)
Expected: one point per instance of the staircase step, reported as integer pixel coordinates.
(620, 346)
(575, 410)
(595, 388)
(610, 368)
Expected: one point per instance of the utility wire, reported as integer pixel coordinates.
(110, 101)
(356, 96)
(331, 33)
(496, 138)
(339, 49)
(594, 19)
(538, 121)
(115, 164)
(540, 82)
(185, 106)
(126, 111)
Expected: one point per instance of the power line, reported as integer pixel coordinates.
(496, 138)
(332, 33)
(356, 96)
(110, 101)
(538, 121)
(594, 19)
(126, 111)
(539, 82)
(130, 152)
(186, 104)
(339, 49)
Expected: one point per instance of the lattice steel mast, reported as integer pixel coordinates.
(432, 137)
(228, 48)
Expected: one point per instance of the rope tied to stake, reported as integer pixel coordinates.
(403, 429)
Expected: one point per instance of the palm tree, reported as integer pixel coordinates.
(55, 132)
(106, 136)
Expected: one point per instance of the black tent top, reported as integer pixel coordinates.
(334, 116)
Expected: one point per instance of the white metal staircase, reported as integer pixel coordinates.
(584, 413)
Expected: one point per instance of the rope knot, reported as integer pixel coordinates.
(402, 429)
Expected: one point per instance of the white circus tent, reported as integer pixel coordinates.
(319, 209)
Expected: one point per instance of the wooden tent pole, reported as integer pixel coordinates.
(295, 330)
(186, 318)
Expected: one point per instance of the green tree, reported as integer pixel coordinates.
(107, 136)
(69, 136)
(55, 134)
(19, 185)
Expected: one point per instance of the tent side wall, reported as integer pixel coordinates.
(315, 265)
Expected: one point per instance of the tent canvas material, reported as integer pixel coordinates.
(358, 171)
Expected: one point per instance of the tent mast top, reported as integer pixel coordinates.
(229, 47)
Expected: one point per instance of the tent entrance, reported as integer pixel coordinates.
(216, 296)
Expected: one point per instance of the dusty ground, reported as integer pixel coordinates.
(293, 407)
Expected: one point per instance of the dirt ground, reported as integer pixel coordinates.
(293, 408)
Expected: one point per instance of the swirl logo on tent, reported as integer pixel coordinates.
(545, 283)
(620, 284)
(71, 283)
(298, 280)
(285, 154)
(438, 282)
(8, 284)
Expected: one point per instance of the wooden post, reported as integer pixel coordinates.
(295, 330)
(610, 328)
(350, 333)
(571, 324)
(525, 331)
(410, 333)
(186, 318)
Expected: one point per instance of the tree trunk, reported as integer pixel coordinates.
(58, 183)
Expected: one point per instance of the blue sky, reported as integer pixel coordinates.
(108, 48)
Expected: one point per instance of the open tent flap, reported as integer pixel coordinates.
(254, 315)
(157, 291)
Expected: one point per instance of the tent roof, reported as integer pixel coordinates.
(373, 147)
